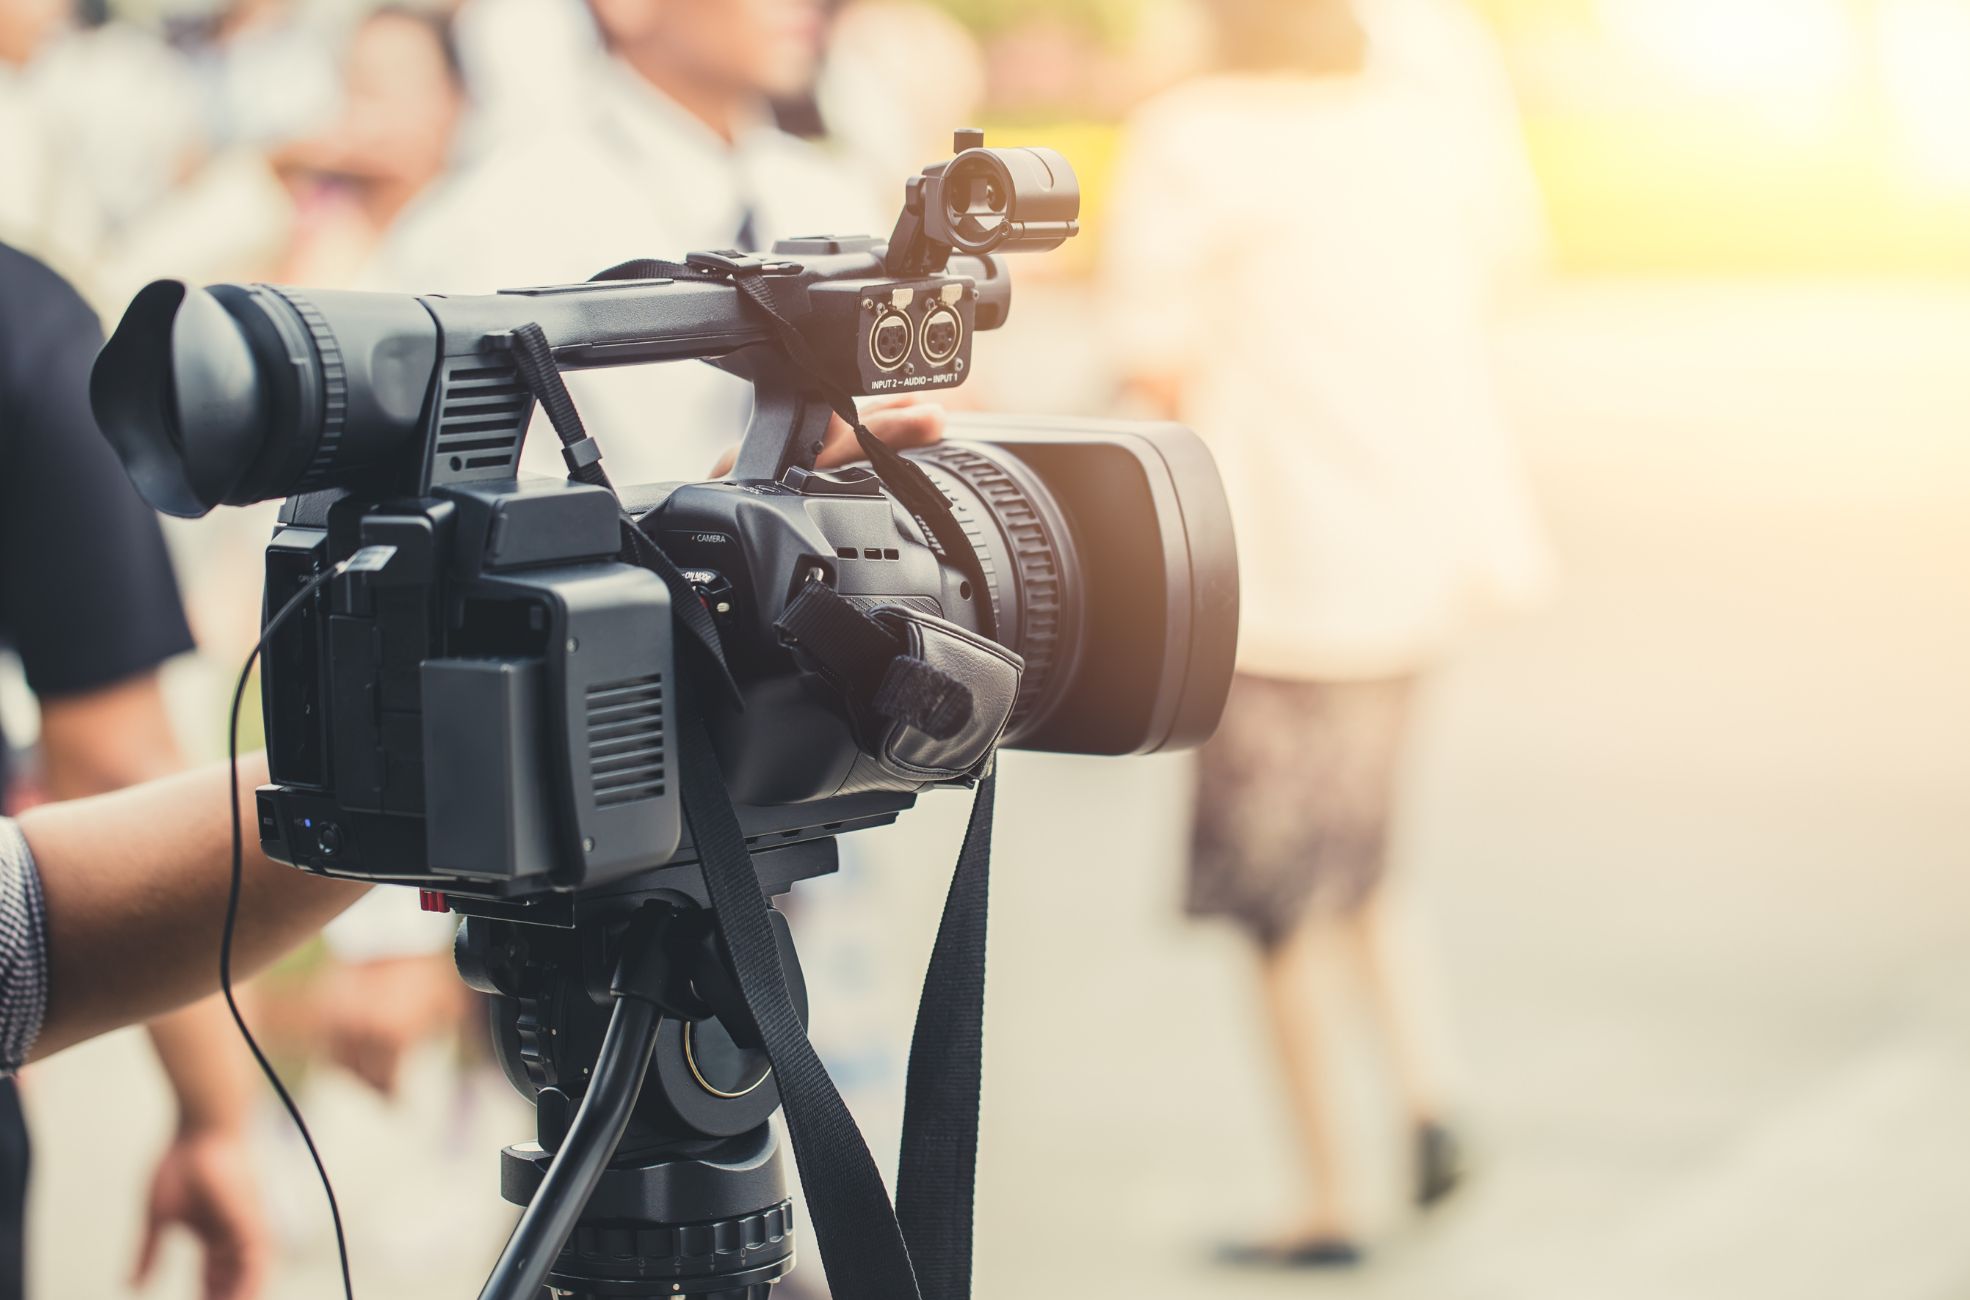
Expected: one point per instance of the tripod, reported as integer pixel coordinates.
(655, 1171)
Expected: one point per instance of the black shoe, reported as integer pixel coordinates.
(1439, 1164)
(1316, 1252)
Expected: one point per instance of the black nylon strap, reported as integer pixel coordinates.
(534, 359)
(871, 665)
(862, 1249)
(850, 646)
(650, 268)
(937, 1179)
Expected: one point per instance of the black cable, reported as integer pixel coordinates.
(584, 1155)
(232, 916)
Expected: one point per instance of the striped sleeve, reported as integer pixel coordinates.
(23, 949)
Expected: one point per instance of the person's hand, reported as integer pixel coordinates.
(373, 1013)
(902, 422)
(205, 1184)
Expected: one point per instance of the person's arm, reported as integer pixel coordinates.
(106, 739)
(205, 1180)
(134, 885)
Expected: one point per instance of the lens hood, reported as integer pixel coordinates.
(177, 391)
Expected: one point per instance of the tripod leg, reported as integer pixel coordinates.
(598, 1126)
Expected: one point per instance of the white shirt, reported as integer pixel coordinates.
(1299, 249)
(642, 179)
(530, 65)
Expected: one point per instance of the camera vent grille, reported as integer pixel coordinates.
(626, 740)
(479, 426)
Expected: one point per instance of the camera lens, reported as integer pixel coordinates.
(942, 331)
(240, 393)
(889, 341)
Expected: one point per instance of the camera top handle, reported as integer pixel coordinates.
(834, 292)
(240, 393)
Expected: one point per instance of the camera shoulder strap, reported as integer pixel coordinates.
(862, 1249)
(936, 1182)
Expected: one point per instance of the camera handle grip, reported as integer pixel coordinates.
(790, 414)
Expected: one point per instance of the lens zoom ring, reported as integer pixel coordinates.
(335, 385)
(1035, 561)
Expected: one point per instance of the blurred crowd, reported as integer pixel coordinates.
(1298, 231)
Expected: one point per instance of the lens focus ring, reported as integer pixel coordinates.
(334, 381)
(1040, 563)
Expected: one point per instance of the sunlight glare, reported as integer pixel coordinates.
(1792, 58)
(1925, 73)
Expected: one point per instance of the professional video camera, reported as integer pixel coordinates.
(543, 702)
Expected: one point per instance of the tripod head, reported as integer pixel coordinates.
(668, 1179)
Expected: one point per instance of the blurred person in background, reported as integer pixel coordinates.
(527, 61)
(97, 123)
(900, 76)
(266, 71)
(678, 151)
(1298, 268)
(88, 604)
(377, 169)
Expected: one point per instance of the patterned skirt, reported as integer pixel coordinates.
(1294, 795)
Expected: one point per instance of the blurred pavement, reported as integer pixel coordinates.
(1694, 845)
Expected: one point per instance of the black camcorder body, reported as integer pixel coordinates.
(483, 701)
(523, 695)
